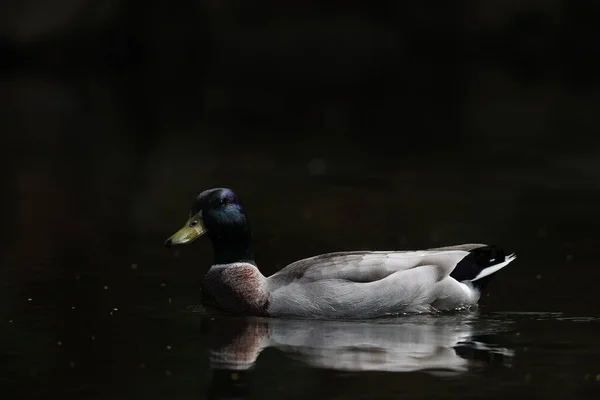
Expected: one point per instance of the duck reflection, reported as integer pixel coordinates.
(434, 344)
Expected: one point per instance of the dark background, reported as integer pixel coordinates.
(399, 125)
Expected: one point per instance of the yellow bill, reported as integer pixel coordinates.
(192, 230)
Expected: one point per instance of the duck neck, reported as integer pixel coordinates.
(230, 249)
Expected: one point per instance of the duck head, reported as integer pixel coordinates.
(218, 214)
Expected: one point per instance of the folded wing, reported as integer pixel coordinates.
(367, 266)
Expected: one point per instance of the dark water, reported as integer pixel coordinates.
(165, 349)
(98, 323)
(356, 127)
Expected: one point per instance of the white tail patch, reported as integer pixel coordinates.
(494, 268)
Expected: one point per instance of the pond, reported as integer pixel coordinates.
(169, 350)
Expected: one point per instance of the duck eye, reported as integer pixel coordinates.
(193, 223)
(223, 201)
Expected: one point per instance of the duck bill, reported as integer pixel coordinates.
(187, 234)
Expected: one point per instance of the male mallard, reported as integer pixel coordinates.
(353, 284)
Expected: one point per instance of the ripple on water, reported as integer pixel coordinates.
(546, 316)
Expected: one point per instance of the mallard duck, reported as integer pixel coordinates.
(341, 285)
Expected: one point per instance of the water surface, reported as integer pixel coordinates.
(185, 351)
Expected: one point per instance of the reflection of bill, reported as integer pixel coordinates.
(439, 345)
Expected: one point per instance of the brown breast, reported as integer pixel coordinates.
(237, 288)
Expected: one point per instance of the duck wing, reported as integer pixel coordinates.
(367, 284)
(363, 284)
(366, 266)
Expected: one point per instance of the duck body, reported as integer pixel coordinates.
(341, 285)
(349, 285)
